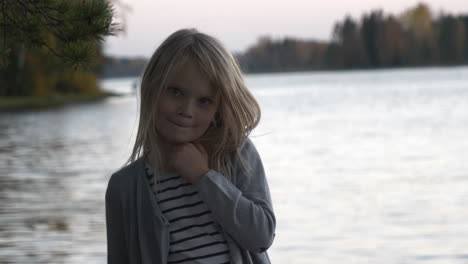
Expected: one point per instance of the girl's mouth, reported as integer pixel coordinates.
(179, 124)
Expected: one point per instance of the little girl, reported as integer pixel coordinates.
(194, 190)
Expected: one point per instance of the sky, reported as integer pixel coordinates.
(238, 24)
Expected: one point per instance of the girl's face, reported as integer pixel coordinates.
(186, 106)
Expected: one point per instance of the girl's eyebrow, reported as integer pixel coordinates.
(209, 97)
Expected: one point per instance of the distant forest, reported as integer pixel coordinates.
(414, 38)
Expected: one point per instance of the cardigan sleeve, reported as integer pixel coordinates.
(116, 244)
(243, 210)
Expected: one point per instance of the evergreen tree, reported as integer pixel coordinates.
(348, 35)
(451, 39)
(371, 30)
(46, 44)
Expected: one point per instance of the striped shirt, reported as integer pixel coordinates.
(194, 235)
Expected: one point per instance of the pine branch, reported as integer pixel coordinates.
(48, 18)
(74, 24)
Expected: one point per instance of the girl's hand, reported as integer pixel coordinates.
(190, 160)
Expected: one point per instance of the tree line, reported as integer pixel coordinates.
(413, 38)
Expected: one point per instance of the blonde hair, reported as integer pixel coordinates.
(238, 112)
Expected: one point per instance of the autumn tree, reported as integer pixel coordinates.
(418, 22)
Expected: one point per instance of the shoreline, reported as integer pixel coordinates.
(18, 103)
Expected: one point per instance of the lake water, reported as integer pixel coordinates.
(363, 167)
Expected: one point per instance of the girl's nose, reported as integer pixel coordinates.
(186, 109)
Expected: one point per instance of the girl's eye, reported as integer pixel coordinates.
(174, 91)
(205, 101)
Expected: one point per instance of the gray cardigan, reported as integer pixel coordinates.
(137, 231)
